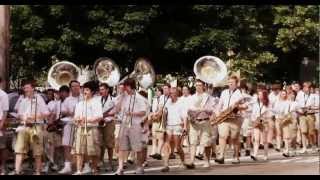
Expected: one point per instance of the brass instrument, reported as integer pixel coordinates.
(107, 71)
(285, 119)
(62, 73)
(229, 113)
(128, 120)
(260, 121)
(210, 69)
(34, 132)
(143, 73)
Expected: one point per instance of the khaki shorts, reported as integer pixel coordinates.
(117, 131)
(294, 127)
(307, 124)
(89, 144)
(3, 142)
(108, 135)
(174, 130)
(200, 132)
(156, 128)
(130, 139)
(68, 134)
(246, 127)
(229, 128)
(23, 142)
(54, 139)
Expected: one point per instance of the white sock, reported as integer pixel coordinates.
(67, 164)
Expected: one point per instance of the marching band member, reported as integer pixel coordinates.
(31, 111)
(130, 138)
(4, 108)
(293, 127)
(52, 136)
(231, 126)
(87, 115)
(261, 113)
(157, 125)
(176, 127)
(155, 135)
(317, 123)
(67, 112)
(118, 118)
(273, 98)
(184, 101)
(305, 101)
(246, 124)
(200, 109)
(281, 109)
(145, 129)
(108, 128)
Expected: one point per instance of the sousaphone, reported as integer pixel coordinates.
(210, 69)
(107, 71)
(62, 73)
(143, 73)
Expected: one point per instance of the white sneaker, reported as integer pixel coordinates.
(303, 151)
(45, 169)
(206, 165)
(139, 170)
(86, 169)
(65, 170)
(77, 173)
(265, 158)
(55, 167)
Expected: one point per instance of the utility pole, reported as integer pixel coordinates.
(4, 45)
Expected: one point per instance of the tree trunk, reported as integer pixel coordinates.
(4, 45)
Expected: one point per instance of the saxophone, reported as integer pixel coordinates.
(229, 113)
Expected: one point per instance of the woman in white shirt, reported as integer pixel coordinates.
(175, 127)
(261, 113)
(280, 109)
(87, 115)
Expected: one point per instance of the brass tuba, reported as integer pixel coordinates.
(62, 73)
(210, 69)
(143, 73)
(107, 71)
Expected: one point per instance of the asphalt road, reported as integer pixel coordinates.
(275, 165)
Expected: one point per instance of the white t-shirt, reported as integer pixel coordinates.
(69, 105)
(155, 103)
(306, 100)
(1, 113)
(28, 107)
(163, 100)
(281, 107)
(260, 109)
(204, 102)
(184, 100)
(229, 98)
(273, 98)
(175, 112)
(90, 109)
(106, 104)
(4, 100)
(137, 104)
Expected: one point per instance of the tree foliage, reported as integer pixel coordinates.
(172, 37)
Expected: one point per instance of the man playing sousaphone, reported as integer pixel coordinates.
(31, 111)
(201, 108)
(231, 126)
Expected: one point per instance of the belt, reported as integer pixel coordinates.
(204, 119)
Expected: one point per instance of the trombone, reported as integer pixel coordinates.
(84, 130)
